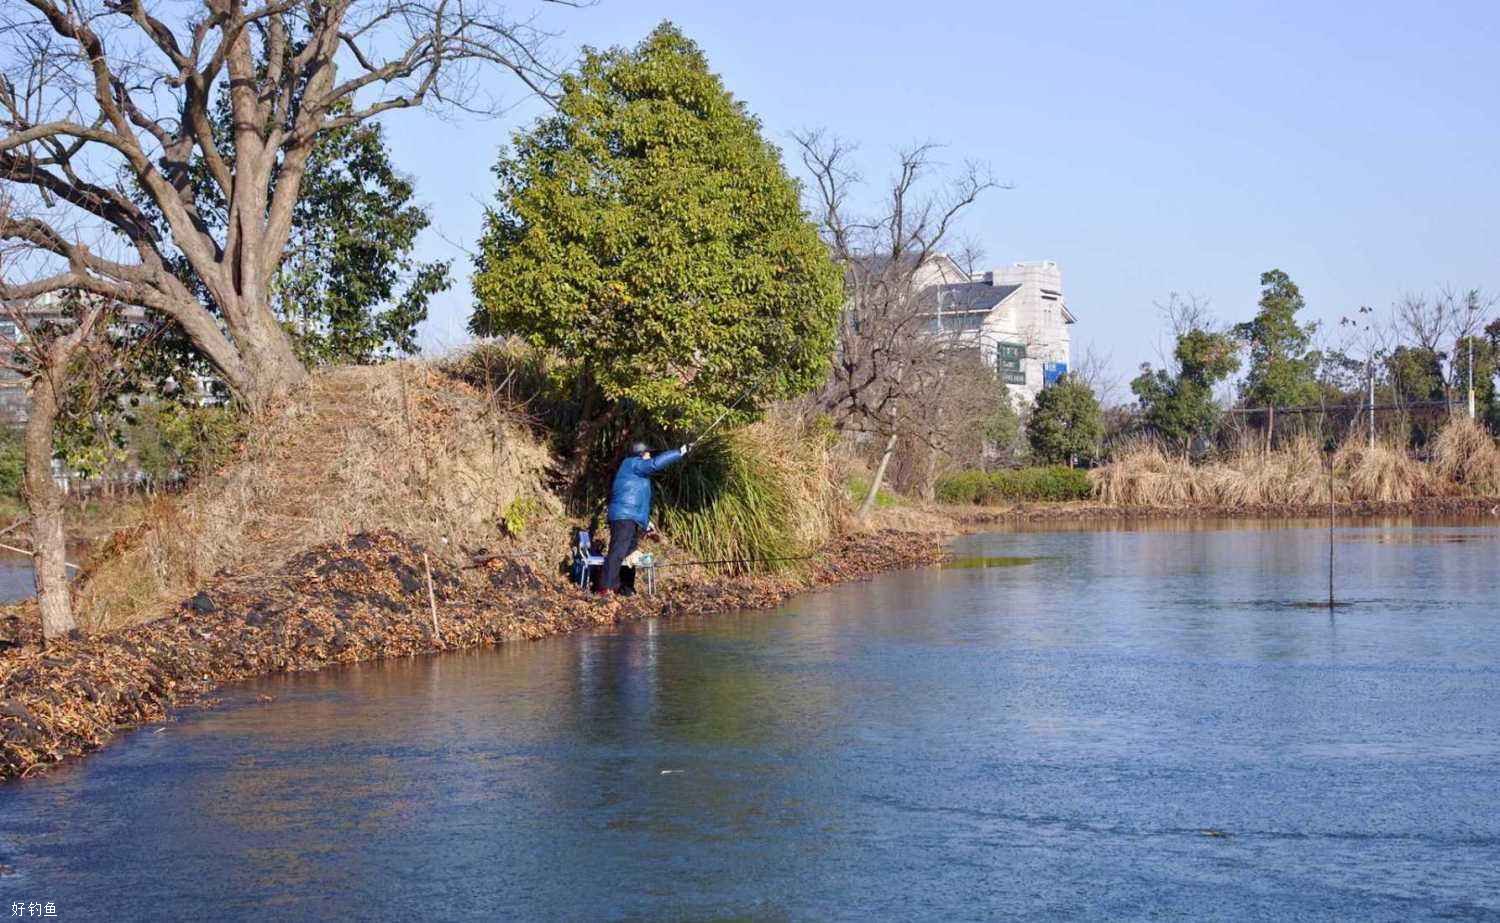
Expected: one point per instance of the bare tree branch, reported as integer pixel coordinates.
(93, 91)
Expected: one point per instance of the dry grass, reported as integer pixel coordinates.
(1142, 474)
(396, 446)
(1466, 462)
(1384, 473)
(1466, 456)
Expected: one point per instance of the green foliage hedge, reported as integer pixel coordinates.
(986, 487)
(12, 462)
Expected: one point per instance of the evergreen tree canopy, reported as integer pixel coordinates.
(349, 290)
(1416, 373)
(1180, 407)
(648, 233)
(1002, 428)
(1484, 352)
(1066, 425)
(1283, 367)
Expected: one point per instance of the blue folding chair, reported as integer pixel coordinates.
(584, 558)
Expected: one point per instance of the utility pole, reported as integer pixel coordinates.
(1471, 375)
(1370, 372)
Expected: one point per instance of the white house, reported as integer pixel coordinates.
(1017, 316)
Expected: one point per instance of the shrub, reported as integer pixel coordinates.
(1053, 483)
(980, 487)
(963, 487)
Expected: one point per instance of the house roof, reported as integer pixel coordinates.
(975, 296)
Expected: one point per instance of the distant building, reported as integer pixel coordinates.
(1017, 316)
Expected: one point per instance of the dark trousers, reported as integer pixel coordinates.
(624, 535)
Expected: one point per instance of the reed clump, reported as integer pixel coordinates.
(1466, 462)
(1383, 473)
(1465, 455)
(1142, 474)
(762, 493)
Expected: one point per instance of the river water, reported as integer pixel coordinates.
(15, 577)
(1080, 724)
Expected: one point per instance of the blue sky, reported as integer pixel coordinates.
(1153, 147)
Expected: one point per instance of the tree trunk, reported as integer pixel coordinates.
(929, 476)
(272, 368)
(44, 501)
(885, 459)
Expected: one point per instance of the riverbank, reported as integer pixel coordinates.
(363, 599)
(971, 518)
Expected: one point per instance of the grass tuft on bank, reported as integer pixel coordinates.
(761, 493)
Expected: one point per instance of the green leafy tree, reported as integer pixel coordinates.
(648, 233)
(1416, 374)
(1066, 424)
(351, 289)
(1002, 428)
(1180, 407)
(1283, 365)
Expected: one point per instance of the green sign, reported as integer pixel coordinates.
(1010, 359)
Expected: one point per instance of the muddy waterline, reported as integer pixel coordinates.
(1108, 724)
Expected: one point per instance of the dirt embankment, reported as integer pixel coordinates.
(362, 599)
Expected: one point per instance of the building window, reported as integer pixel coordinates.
(955, 323)
(1010, 360)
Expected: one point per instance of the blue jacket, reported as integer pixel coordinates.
(630, 497)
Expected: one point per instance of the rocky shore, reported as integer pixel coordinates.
(366, 598)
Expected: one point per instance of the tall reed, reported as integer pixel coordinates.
(1465, 461)
(763, 494)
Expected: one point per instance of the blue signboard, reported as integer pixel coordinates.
(1052, 371)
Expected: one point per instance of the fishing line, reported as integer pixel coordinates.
(801, 557)
(727, 411)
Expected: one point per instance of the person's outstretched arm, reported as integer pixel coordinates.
(669, 457)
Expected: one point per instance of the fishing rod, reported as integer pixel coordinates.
(727, 411)
(730, 409)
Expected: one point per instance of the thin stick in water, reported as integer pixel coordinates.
(431, 596)
(1330, 530)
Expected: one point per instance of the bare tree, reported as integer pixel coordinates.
(1449, 316)
(1423, 322)
(53, 360)
(104, 99)
(1468, 312)
(893, 349)
(1183, 314)
(1095, 369)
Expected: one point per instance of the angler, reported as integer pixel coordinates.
(630, 506)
